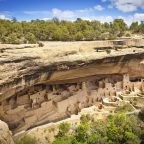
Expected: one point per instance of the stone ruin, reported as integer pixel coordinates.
(39, 87)
(45, 103)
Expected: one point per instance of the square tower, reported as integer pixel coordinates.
(126, 81)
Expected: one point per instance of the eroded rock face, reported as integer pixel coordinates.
(5, 134)
(39, 90)
(45, 103)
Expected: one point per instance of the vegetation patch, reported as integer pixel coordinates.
(63, 129)
(124, 108)
(27, 140)
(141, 114)
(117, 129)
(14, 32)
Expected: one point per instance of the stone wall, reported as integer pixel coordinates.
(37, 88)
(48, 103)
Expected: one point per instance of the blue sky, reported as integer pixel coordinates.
(103, 10)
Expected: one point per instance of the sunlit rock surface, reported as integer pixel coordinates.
(40, 85)
(5, 134)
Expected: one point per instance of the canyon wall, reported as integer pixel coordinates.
(42, 85)
(5, 134)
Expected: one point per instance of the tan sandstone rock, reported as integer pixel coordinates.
(5, 134)
(39, 85)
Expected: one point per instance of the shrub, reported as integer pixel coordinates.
(89, 35)
(5, 40)
(30, 37)
(27, 140)
(82, 132)
(117, 129)
(1, 51)
(56, 36)
(40, 44)
(141, 114)
(127, 35)
(124, 108)
(132, 138)
(79, 36)
(65, 140)
(65, 36)
(111, 37)
(47, 139)
(51, 129)
(102, 37)
(85, 118)
(14, 39)
(108, 51)
(63, 129)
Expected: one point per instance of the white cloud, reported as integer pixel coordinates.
(36, 12)
(89, 13)
(62, 14)
(46, 19)
(137, 17)
(86, 10)
(72, 15)
(105, 18)
(99, 18)
(66, 14)
(56, 12)
(3, 16)
(99, 8)
(127, 5)
(120, 17)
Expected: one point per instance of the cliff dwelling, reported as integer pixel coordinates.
(38, 90)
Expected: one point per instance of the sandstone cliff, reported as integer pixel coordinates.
(28, 64)
(5, 134)
(32, 78)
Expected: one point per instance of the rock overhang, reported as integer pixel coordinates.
(25, 70)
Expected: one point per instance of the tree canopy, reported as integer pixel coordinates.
(55, 30)
(117, 129)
